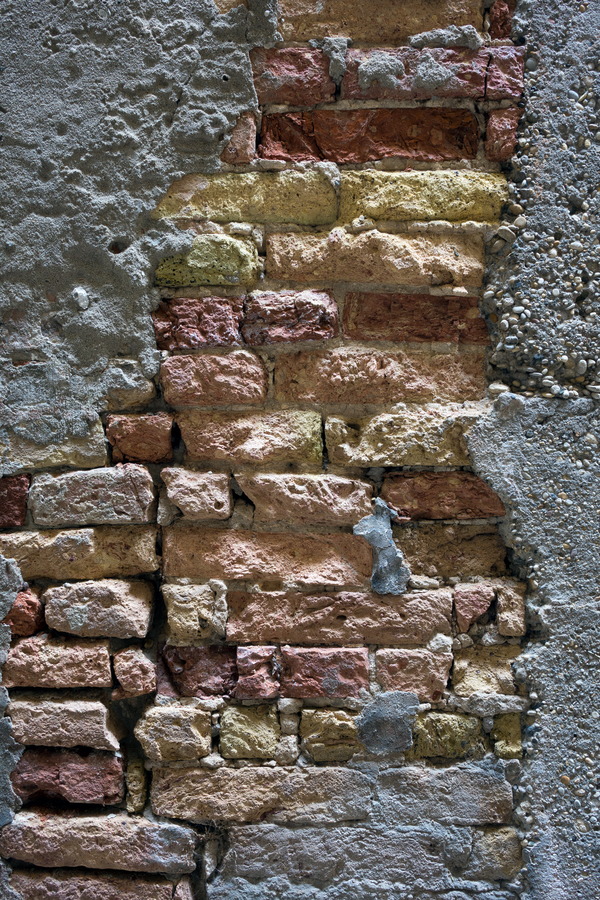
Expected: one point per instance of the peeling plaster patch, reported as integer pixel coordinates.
(385, 725)
(453, 36)
(335, 48)
(390, 573)
(385, 68)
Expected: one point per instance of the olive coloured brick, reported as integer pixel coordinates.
(315, 672)
(191, 323)
(215, 259)
(271, 317)
(308, 499)
(237, 378)
(361, 135)
(74, 776)
(441, 495)
(413, 317)
(335, 559)
(394, 259)
(50, 720)
(420, 672)
(298, 76)
(13, 500)
(49, 662)
(62, 884)
(140, 437)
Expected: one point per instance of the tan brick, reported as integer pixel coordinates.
(308, 499)
(376, 257)
(215, 259)
(496, 855)
(484, 670)
(511, 607)
(195, 612)
(141, 437)
(234, 378)
(336, 559)
(135, 672)
(49, 662)
(329, 735)
(83, 553)
(174, 733)
(198, 495)
(249, 732)
(506, 735)
(420, 671)
(452, 551)
(441, 495)
(50, 720)
(347, 375)
(255, 438)
(105, 608)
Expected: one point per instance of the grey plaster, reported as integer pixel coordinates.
(10, 752)
(385, 725)
(335, 48)
(385, 68)
(453, 36)
(390, 573)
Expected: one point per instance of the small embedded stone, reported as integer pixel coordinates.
(49, 662)
(26, 615)
(105, 608)
(135, 673)
(75, 777)
(174, 733)
(313, 672)
(13, 500)
(249, 732)
(141, 437)
(385, 724)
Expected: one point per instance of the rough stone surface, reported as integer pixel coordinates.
(195, 612)
(13, 500)
(470, 602)
(141, 437)
(496, 854)
(258, 673)
(201, 671)
(485, 669)
(448, 736)
(390, 573)
(135, 673)
(385, 725)
(511, 608)
(329, 735)
(65, 885)
(273, 317)
(106, 608)
(73, 776)
(441, 495)
(294, 75)
(249, 732)
(501, 134)
(303, 796)
(318, 672)
(112, 496)
(26, 615)
(238, 378)
(452, 551)
(104, 842)
(198, 495)
(73, 442)
(306, 499)
(420, 672)
(53, 721)
(188, 323)
(241, 148)
(174, 733)
(215, 259)
(49, 662)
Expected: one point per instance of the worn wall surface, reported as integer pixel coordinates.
(299, 451)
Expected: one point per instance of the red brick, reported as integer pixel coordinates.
(470, 602)
(201, 671)
(257, 673)
(76, 777)
(274, 316)
(336, 559)
(298, 76)
(418, 671)
(505, 74)
(26, 615)
(191, 323)
(466, 70)
(140, 437)
(238, 377)
(317, 672)
(356, 136)
(13, 500)
(501, 12)
(501, 135)
(241, 148)
(441, 495)
(461, 550)
(51, 662)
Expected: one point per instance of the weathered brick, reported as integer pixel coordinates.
(135, 673)
(452, 551)
(195, 612)
(257, 438)
(241, 147)
(83, 451)
(238, 377)
(190, 323)
(470, 602)
(408, 74)
(258, 673)
(102, 841)
(412, 435)
(506, 735)
(84, 552)
(141, 437)
(336, 559)
(105, 608)
(198, 495)
(26, 615)
(338, 618)
(448, 735)
(174, 733)
(329, 735)
(376, 257)
(413, 317)
(496, 855)
(406, 196)
(501, 12)
(511, 607)
(501, 134)
(309, 499)
(419, 671)
(505, 74)
(122, 494)
(361, 135)
(484, 670)
(309, 672)
(302, 197)
(249, 732)
(74, 776)
(349, 375)
(441, 495)
(215, 259)
(13, 500)
(53, 721)
(251, 794)
(271, 317)
(386, 22)
(61, 884)
(201, 671)
(298, 76)
(50, 662)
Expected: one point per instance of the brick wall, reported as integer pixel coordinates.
(206, 632)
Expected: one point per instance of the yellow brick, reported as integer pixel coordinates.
(303, 197)
(506, 735)
(215, 259)
(405, 196)
(485, 670)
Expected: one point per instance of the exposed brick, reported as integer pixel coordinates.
(441, 495)
(48, 662)
(191, 323)
(256, 438)
(496, 854)
(174, 733)
(122, 494)
(307, 673)
(348, 375)
(83, 552)
(105, 608)
(238, 377)
(360, 135)
(505, 75)
(501, 134)
(336, 559)
(500, 13)
(26, 615)
(304, 197)
(511, 607)
(201, 671)
(241, 147)
(251, 794)
(258, 673)
(329, 735)
(470, 602)
(141, 437)
(195, 612)
(53, 721)
(419, 671)
(373, 256)
(274, 316)
(338, 618)
(309, 499)
(413, 317)
(61, 884)
(386, 22)
(448, 735)
(198, 495)
(13, 500)
(135, 672)
(298, 76)
(73, 776)
(215, 259)
(404, 74)
(450, 551)
(250, 732)
(484, 670)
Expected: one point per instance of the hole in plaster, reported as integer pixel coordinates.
(118, 246)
